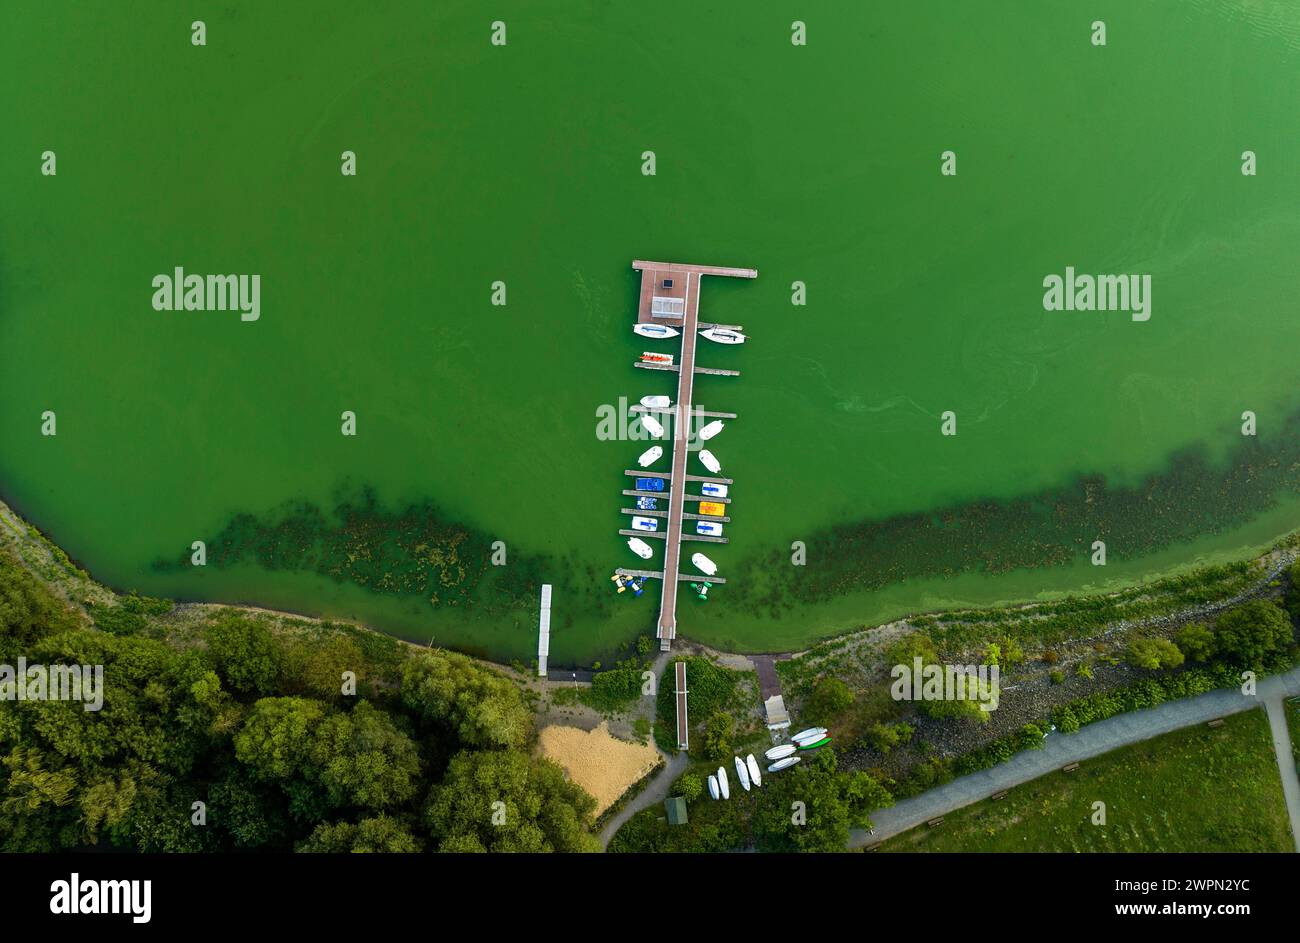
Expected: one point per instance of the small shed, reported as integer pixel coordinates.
(777, 717)
(675, 806)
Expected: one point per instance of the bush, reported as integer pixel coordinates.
(1153, 654)
(1196, 641)
(1250, 634)
(830, 698)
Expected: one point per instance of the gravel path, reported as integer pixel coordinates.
(656, 791)
(1061, 749)
(1286, 762)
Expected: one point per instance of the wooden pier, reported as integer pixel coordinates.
(670, 294)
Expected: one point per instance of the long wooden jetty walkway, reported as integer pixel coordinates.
(670, 294)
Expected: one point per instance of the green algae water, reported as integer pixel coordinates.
(522, 164)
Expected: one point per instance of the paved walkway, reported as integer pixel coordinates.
(1286, 762)
(1061, 749)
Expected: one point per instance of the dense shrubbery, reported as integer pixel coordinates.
(255, 725)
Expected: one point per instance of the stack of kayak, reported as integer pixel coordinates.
(786, 755)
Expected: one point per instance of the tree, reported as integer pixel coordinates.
(1251, 633)
(690, 787)
(813, 807)
(717, 736)
(1153, 653)
(1196, 641)
(884, 737)
(830, 697)
(245, 653)
(28, 611)
(362, 759)
(480, 706)
(378, 834)
(276, 740)
(1293, 594)
(503, 800)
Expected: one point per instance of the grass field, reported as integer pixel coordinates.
(1193, 790)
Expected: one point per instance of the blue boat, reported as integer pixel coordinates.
(647, 504)
(649, 484)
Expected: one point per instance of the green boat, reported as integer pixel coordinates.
(813, 746)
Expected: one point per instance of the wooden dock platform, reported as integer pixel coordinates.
(638, 410)
(668, 476)
(676, 368)
(670, 293)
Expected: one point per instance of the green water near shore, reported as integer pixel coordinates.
(523, 163)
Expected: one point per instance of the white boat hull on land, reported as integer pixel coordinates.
(781, 752)
(752, 765)
(722, 783)
(812, 733)
(783, 764)
(713, 787)
(742, 772)
(650, 456)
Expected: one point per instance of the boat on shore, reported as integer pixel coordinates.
(742, 772)
(713, 786)
(656, 402)
(752, 765)
(650, 456)
(780, 752)
(812, 733)
(655, 330)
(815, 745)
(722, 783)
(712, 429)
(652, 426)
(783, 764)
(640, 548)
(721, 335)
(704, 564)
(709, 461)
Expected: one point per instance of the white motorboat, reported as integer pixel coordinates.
(652, 426)
(708, 528)
(656, 402)
(640, 548)
(650, 456)
(704, 564)
(721, 335)
(752, 765)
(713, 787)
(810, 735)
(781, 752)
(712, 429)
(742, 772)
(784, 764)
(708, 460)
(645, 523)
(711, 490)
(657, 330)
(722, 783)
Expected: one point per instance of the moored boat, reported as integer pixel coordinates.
(712, 429)
(650, 456)
(704, 564)
(713, 508)
(721, 335)
(649, 356)
(656, 402)
(649, 484)
(713, 490)
(655, 330)
(707, 528)
(640, 548)
(652, 426)
(645, 523)
(709, 461)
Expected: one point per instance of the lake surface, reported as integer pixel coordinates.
(523, 163)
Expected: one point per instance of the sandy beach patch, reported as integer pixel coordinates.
(596, 760)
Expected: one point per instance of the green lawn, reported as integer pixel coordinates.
(1192, 790)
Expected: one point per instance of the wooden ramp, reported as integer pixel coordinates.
(683, 722)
